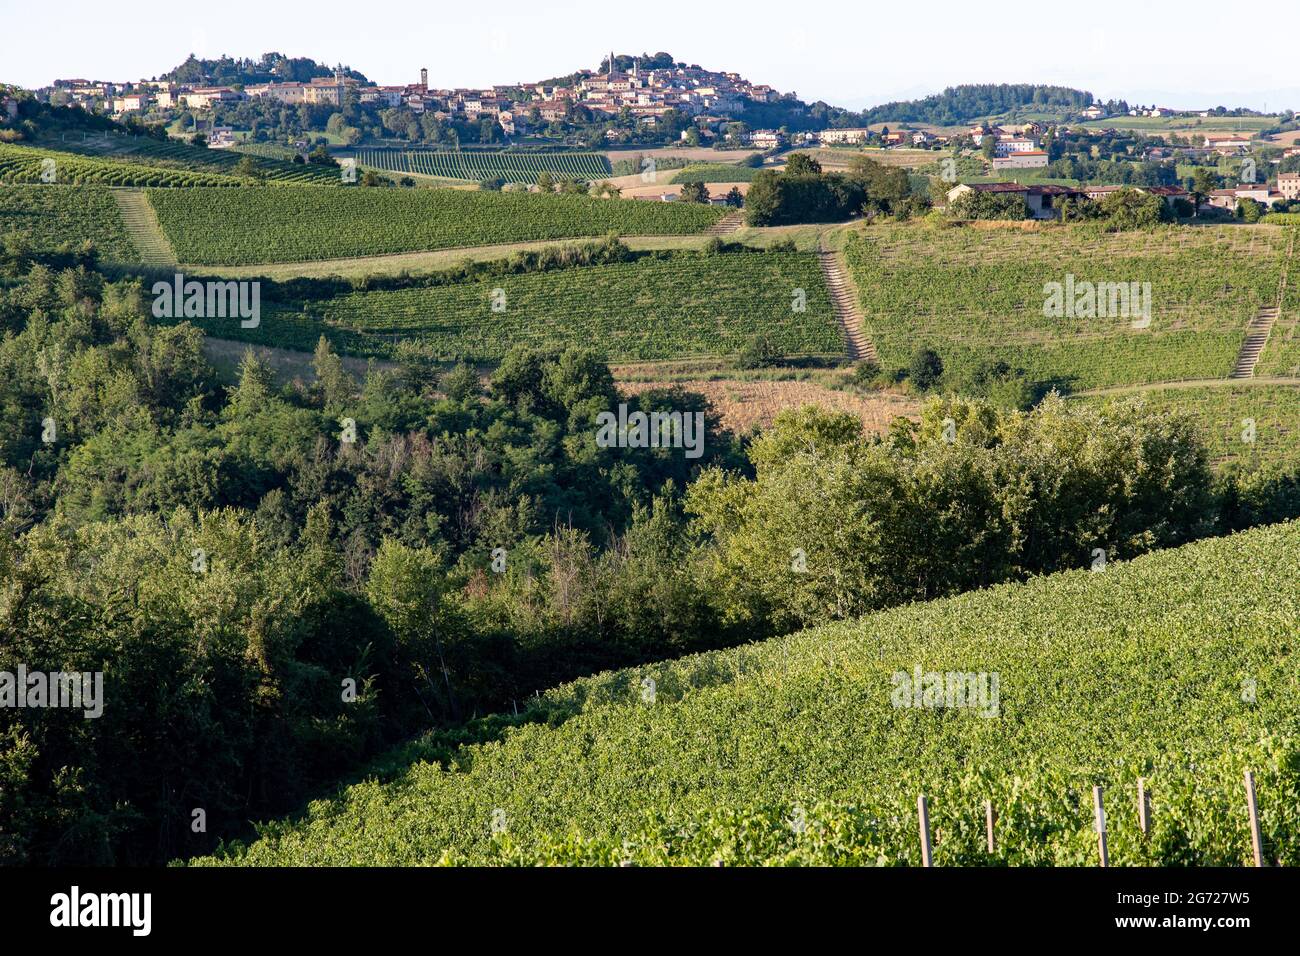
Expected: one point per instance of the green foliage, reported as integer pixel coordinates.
(759, 352)
(983, 205)
(1249, 426)
(962, 104)
(694, 192)
(925, 370)
(783, 199)
(1130, 209)
(929, 514)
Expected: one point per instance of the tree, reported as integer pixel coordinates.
(887, 186)
(335, 385)
(801, 164)
(977, 204)
(1130, 209)
(735, 198)
(695, 193)
(1204, 182)
(406, 587)
(320, 156)
(926, 369)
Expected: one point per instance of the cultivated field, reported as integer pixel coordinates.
(29, 164)
(715, 173)
(269, 224)
(978, 295)
(52, 216)
(658, 307)
(175, 154)
(477, 165)
(796, 750)
(1244, 424)
(1207, 125)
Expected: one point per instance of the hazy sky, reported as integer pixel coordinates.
(1182, 54)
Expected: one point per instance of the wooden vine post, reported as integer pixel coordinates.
(1101, 825)
(1256, 838)
(923, 820)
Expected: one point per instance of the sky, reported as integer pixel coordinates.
(1184, 54)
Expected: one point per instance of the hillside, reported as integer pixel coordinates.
(28, 164)
(270, 224)
(176, 154)
(51, 217)
(654, 307)
(962, 104)
(1178, 667)
(478, 165)
(978, 295)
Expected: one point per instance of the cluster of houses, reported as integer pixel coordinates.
(646, 95)
(1288, 190)
(858, 135)
(1043, 201)
(1096, 112)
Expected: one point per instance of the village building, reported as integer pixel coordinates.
(1288, 186)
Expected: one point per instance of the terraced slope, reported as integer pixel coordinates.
(1178, 667)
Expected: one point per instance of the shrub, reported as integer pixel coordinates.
(926, 369)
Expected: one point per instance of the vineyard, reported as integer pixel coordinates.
(1241, 424)
(716, 173)
(53, 216)
(976, 295)
(478, 165)
(656, 307)
(270, 224)
(1177, 667)
(1281, 356)
(27, 164)
(174, 154)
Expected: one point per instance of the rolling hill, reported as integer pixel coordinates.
(1178, 668)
